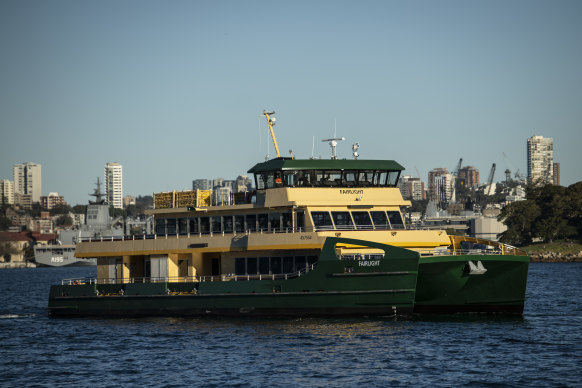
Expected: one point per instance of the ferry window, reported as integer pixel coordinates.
(342, 220)
(362, 220)
(287, 223)
(349, 178)
(183, 226)
(239, 266)
(239, 224)
(395, 220)
(260, 181)
(227, 223)
(171, 226)
(287, 264)
(263, 222)
(251, 222)
(321, 220)
(161, 226)
(194, 225)
(303, 179)
(380, 220)
(365, 178)
(289, 178)
(275, 265)
(275, 220)
(216, 224)
(264, 265)
(382, 175)
(204, 225)
(300, 220)
(392, 178)
(269, 178)
(251, 265)
(299, 263)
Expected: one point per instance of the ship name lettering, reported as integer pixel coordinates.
(306, 237)
(369, 263)
(57, 260)
(351, 191)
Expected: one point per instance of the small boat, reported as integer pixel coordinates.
(316, 238)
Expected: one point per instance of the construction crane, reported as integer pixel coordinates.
(490, 180)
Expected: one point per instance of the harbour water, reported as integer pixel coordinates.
(542, 348)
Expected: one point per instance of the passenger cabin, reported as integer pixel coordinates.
(277, 230)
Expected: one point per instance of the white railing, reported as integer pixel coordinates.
(189, 279)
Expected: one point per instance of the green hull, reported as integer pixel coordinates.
(447, 285)
(333, 287)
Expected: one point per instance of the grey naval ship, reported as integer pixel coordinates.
(98, 224)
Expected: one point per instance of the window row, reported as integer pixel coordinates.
(263, 222)
(327, 178)
(349, 220)
(272, 265)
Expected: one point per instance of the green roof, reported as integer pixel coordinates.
(325, 164)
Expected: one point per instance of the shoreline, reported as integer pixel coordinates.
(553, 257)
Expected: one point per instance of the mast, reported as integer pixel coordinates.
(271, 122)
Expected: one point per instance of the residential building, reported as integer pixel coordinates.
(202, 184)
(128, 200)
(52, 200)
(6, 192)
(412, 188)
(468, 177)
(540, 160)
(432, 186)
(28, 180)
(114, 185)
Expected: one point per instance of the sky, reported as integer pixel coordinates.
(174, 90)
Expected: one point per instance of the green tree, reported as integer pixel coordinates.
(519, 217)
(5, 222)
(60, 209)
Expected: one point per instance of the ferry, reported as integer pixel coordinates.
(317, 238)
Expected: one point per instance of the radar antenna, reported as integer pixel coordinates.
(271, 122)
(97, 194)
(355, 147)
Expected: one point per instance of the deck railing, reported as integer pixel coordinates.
(189, 279)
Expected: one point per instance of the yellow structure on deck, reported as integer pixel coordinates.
(180, 199)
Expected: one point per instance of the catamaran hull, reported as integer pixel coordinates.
(471, 284)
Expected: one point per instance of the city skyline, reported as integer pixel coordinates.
(175, 92)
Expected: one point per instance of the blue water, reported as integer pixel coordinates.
(544, 348)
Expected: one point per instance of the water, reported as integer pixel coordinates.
(544, 348)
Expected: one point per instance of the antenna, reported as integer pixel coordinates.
(333, 142)
(355, 147)
(312, 147)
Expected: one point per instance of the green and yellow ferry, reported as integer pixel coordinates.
(317, 238)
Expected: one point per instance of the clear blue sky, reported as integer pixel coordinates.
(173, 90)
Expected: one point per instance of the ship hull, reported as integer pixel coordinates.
(448, 284)
(334, 287)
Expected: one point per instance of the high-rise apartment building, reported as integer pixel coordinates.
(468, 176)
(28, 180)
(6, 192)
(411, 188)
(540, 160)
(114, 184)
(202, 184)
(434, 192)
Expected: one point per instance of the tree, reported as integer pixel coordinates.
(519, 217)
(60, 209)
(5, 222)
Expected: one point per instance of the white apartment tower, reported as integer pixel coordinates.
(540, 160)
(114, 184)
(28, 180)
(6, 192)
